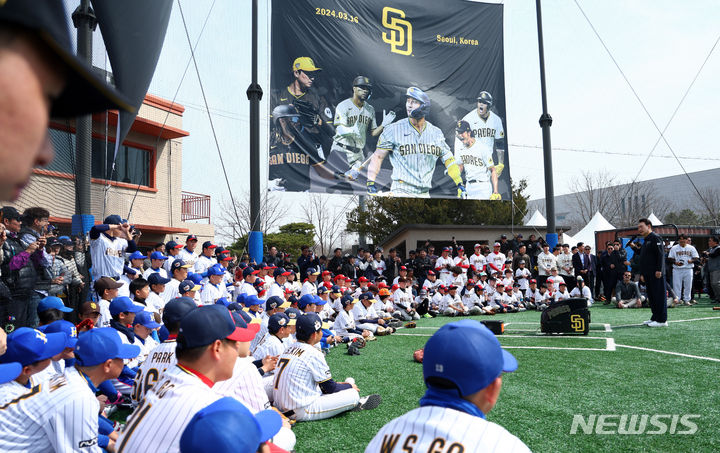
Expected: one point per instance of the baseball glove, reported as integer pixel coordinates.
(418, 355)
(309, 115)
(496, 196)
(410, 325)
(353, 350)
(358, 342)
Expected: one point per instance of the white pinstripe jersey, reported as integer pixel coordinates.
(149, 271)
(402, 298)
(259, 338)
(486, 131)
(203, 263)
(245, 385)
(172, 290)
(433, 428)
(150, 371)
(344, 321)
(348, 114)
(60, 415)
(308, 288)
(107, 256)
(476, 160)
(11, 390)
(300, 370)
(271, 346)
(414, 154)
(158, 422)
(187, 257)
(211, 293)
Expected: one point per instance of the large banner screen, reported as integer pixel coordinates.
(400, 98)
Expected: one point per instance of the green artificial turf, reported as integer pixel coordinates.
(539, 400)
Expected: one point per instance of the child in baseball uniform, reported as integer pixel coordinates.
(345, 321)
(304, 389)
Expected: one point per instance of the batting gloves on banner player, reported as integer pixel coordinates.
(388, 118)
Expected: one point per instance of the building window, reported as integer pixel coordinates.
(132, 164)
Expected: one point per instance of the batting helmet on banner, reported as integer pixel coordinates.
(364, 83)
(420, 96)
(485, 98)
(284, 111)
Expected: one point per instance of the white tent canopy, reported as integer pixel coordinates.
(567, 239)
(653, 218)
(536, 219)
(587, 234)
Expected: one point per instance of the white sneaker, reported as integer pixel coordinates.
(657, 324)
(648, 322)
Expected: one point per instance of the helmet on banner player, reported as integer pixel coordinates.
(284, 111)
(464, 126)
(485, 98)
(364, 83)
(420, 96)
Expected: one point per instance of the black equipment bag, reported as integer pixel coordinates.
(566, 316)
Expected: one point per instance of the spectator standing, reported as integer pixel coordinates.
(712, 269)
(565, 267)
(392, 265)
(304, 261)
(545, 262)
(109, 242)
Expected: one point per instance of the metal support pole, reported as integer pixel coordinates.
(85, 21)
(361, 207)
(545, 123)
(254, 94)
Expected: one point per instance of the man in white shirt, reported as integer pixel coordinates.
(277, 288)
(545, 262)
(206, 259)
(157, 261)
(207, 349)
(172, 249)
(565, 267)
(178, 273)
(496, 259)
(309, 286)
(477, 260)
(683, 257)
(443, 266)
(463, 385)
(581, 290)
(187, 253)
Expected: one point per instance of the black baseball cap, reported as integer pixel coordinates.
(307, 324)
(10, 213)
(176, 309)
(84, 91)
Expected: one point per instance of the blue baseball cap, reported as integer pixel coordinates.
(26, 346)
(67, 328)
(367, 296)
(227, 426)
(145, 319)
(241, 298)
(188, 285)
(157, 279)
(99, 345)
(306, 300)
(471, 368)
(223, 301)
(172, 245)
(347, 299)
(157, 256)
(273, 302)
(129, 270)
(335, 290)
(312, 271)
(322, 289)
(307, 324)
(123, 304)
(191, 237)
(113, 220)
(293, 313)
(279, 320)
(280, 271)
(196, 278)
(52, 302)
(207, 324)
(245, 321)
(252, 300)
(136, 256)
(319, 301)
(215, 270)
(177, 264)
(176, 309)
(9, 371)
(249, 271)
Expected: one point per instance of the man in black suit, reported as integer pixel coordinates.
(652, 270)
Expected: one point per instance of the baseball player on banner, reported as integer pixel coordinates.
(414, 146)
(354, 118)
(488, 135)
(476, 159)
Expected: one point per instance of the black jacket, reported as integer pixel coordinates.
(652, 255)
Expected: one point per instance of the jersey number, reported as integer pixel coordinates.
(139, 390)
(281, 365)
(140, 413)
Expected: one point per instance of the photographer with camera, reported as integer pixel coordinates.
(109, 242)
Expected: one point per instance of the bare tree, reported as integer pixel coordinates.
(329, 222)
(634, 201)
(709, 205)
(592, 192)
(234, 222)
